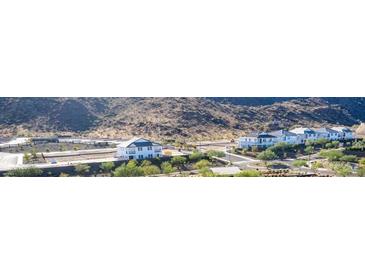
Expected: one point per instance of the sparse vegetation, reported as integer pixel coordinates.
(202, 164)
(248, 173)
(24, 172)
(267, 155)
(128, 170)
(107, 167)
(178, 162)
(341, 169)
(82, 169)
(299, 163)
(167, 168)
(196, 156)
(215, 153)
(331, 155)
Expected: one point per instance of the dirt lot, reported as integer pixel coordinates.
(52, 147)
(80, 157)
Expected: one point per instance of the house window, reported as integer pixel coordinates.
(140, 149)
(149, 148)
(140, 156)
(157, 155)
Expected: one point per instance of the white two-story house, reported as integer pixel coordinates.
(259, 139)
(138, 149)
(327, 133)
(284, 136)
(344, 133)
(305, 134)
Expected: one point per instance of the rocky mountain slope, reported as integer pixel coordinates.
(172, 117)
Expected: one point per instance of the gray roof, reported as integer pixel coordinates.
(282, 132)
(325, 130)
(138, 142)
(343, 129)
(260, 135)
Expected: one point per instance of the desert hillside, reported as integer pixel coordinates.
(172, 117)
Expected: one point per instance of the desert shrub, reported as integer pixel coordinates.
(361, 172)
(267, 155)
(349, 158)
(215, 153)
(206, 172)
(167, 168)
(341, 169)
(248, 173)
(82, 169)
(128, 170)
(331, 155)
(196, 156)
(107, 166)
(362, 162)
(178, 162)
(202, 164)
(24, 172)
(151, 170)
(299, 163)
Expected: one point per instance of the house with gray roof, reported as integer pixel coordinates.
(285, 136)
(327, 133)
(259, 139)
(344, 133)
(138, 149)
(305, 134)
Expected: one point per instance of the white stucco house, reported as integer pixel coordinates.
(305, 134)
(259, 139)
(294, 136)
(344, 133)
(138, 149)
(327, 133)
(284, 136)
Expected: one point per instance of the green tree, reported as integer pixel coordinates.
(167, 168)
(349, 158)
(196, 156)
(341, 169)
(128, 170)
(215, 153)
(24, 172)
(151, 170)
(336, 144)
(201, 164)
(361, 172)
(281, 149)
(82, 169)
(206, 172)
(299, 163)
(248, 173)
(316, 165)
(146, 163)
(331, 155)
(322, 142)
(107, 167)
(266, 155)
(309, 150)
(178, 162)
(362, 162)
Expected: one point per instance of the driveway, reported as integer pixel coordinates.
(10, 160)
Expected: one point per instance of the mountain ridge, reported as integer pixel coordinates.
(172, 117)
